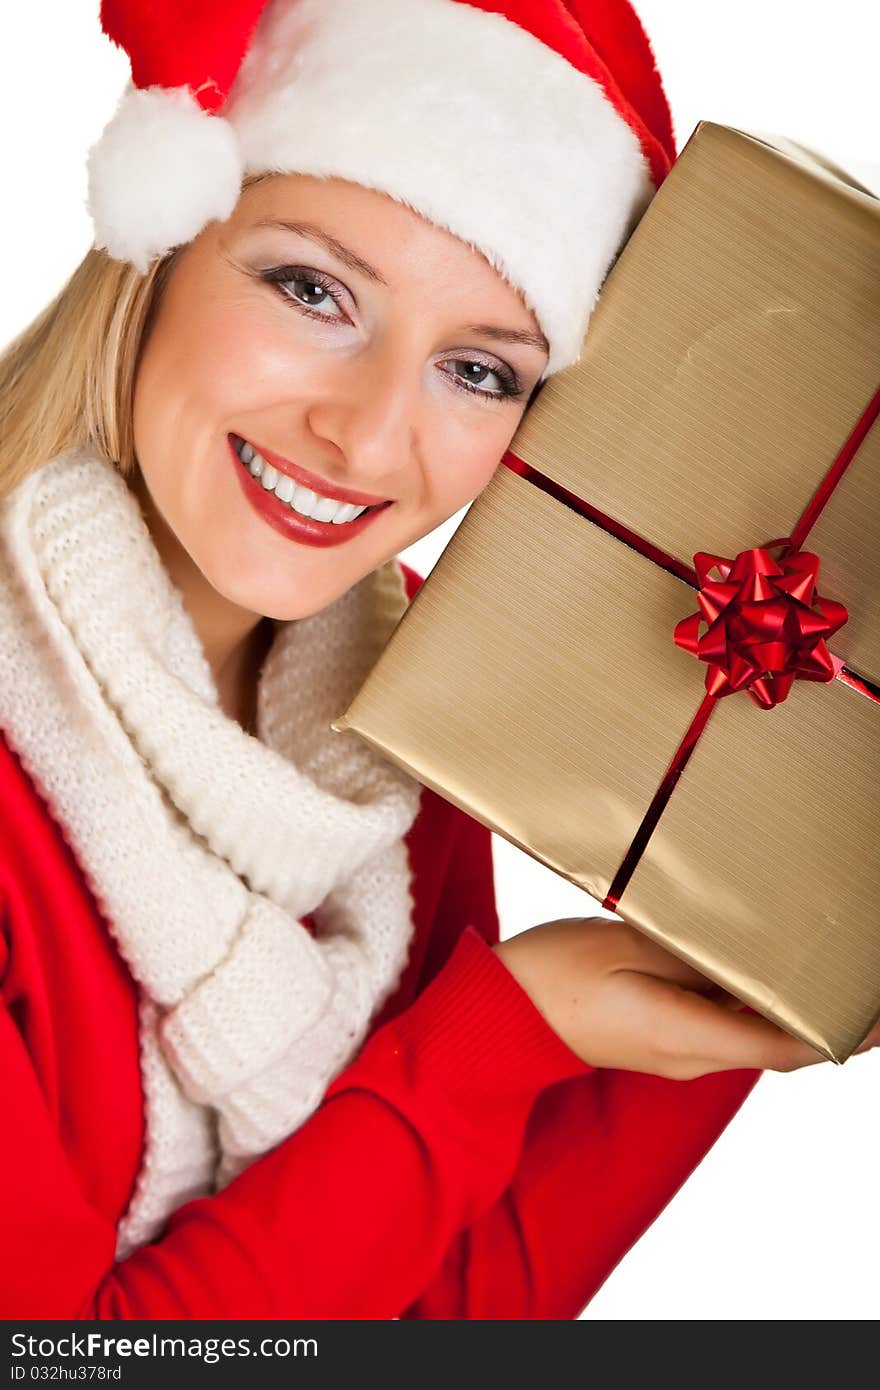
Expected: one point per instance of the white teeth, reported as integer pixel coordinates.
(303, 500)
(347, 512)
(308, 503)
(300, 499)
(326, 509)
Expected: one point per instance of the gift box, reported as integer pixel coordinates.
(650, 654)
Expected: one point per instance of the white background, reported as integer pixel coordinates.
(781, 1221)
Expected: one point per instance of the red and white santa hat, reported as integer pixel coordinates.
(537, 131)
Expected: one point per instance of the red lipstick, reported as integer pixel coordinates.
(313, 480)
(289, 523)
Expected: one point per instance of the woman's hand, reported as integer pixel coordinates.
(617, 999)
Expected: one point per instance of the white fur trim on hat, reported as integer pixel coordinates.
(456, 112)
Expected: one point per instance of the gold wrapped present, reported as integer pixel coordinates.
(650, 655)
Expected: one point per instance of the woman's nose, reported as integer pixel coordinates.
(371, 414)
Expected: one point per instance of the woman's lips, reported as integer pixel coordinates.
(289, 523)
(312, 480)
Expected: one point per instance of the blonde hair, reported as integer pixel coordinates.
(68, 379)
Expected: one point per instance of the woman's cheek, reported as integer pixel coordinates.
(484, 460)
(249, 364)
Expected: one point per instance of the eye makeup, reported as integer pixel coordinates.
(282, 276)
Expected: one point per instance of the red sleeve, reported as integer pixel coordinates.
(603, 1153)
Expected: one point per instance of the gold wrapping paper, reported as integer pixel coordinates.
(534, 680)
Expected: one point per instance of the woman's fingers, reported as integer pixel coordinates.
(763, 1043)
(711, 1019)
(737, 1039)
(698, 1035)
(621, 1000)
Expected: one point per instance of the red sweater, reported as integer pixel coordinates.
(466, 1165)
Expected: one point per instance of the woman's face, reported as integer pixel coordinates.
(360, 344)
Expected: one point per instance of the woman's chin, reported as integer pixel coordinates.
(285, 599)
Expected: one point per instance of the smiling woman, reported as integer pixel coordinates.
(329, 274)
(349, 369)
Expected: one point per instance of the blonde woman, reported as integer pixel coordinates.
(262, 1053)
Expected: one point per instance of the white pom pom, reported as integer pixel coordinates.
(162, 169)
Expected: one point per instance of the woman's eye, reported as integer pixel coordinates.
(310, 291)
(483, 380)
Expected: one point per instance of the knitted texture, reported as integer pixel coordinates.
(203, 845)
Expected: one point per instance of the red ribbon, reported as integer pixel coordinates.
(773, 633)
(766, 624)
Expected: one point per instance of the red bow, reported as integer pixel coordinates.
(766, 624)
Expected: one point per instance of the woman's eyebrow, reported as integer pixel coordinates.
(509, 335)
(355, 262)
(336, 248)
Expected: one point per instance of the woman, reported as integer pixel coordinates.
(265, 1052)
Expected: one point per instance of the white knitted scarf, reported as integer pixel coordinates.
(202, 844)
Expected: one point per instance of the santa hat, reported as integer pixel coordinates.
(535, 130)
